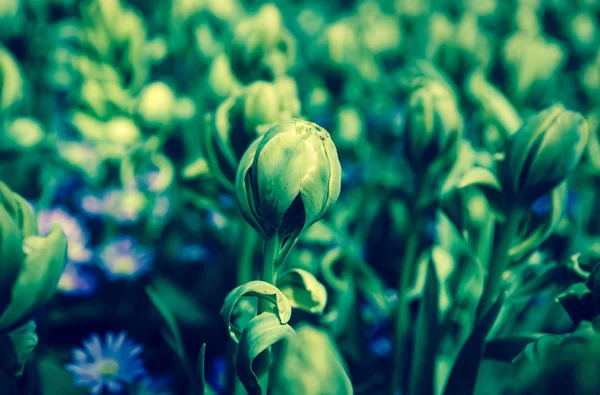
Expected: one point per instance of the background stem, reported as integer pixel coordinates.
(499, 261)
(402, 312)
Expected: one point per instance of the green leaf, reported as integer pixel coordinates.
(493, 102)
(369, 284)
(309, 363)
(427, 338)
(36, 284)
(181, 305)
(199, 383)
(545, 229)
(303, 290)
(11, 256)
(488, 183)
(261, 333)
(176, 341)
(262, 290)
(464, 371)
(578, 301)
(539, 350)
(508, 348)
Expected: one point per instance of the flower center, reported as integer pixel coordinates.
(124, 265)
(108, 367)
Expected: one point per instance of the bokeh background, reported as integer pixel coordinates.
(123, 120)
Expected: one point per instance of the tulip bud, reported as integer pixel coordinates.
(434, 125)
(309, 363)
(544, 151)
(157, 104)
(288, 179)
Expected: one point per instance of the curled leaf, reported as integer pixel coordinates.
(303, 290)
(261, 332)
(262, 290)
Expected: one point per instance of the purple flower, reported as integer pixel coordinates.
(77, 235)
(107, 365)
(122, 258)
(76, 281)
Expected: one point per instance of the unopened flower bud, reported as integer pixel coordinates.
(544, 151)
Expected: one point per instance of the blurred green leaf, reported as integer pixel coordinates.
(303, 290)
(507, 348)
(466, 366)
(422, 377)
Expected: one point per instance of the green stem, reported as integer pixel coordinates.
(272, 248)
(249, 238)
(499, 261)
(402, 312)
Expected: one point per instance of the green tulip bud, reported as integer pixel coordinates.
(220, 78)
(157, 104)
(583, 31)
(544, 151)
(434, 125)
(262, 48)
(288, 179)
(309, 363)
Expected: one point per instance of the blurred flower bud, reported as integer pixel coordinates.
(242, 118)
(433, 127)
(262, 48)
(122, 130)
(32, 264)
(11, 80)
(349, 127)
(288, 179)
(221, 81)
(583, 32)
(22, 133)
(16, 347)
(531, 75)
(543, 153)
(309, 363)
(156, 104)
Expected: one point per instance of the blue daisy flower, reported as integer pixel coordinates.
(76, 281)
(124, 206)
(108, 365)
(217, 219)
(77, 235)
(122, 258)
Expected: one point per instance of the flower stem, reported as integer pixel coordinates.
(499, 261)
(248, 243)
(271, 252)
(402, 311)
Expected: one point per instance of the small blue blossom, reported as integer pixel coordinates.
(77, 235)
(122, 258)
(381, 346)
(108, 365)
(76, 281)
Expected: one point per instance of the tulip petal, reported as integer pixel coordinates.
(281, 162)
(36, 284)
